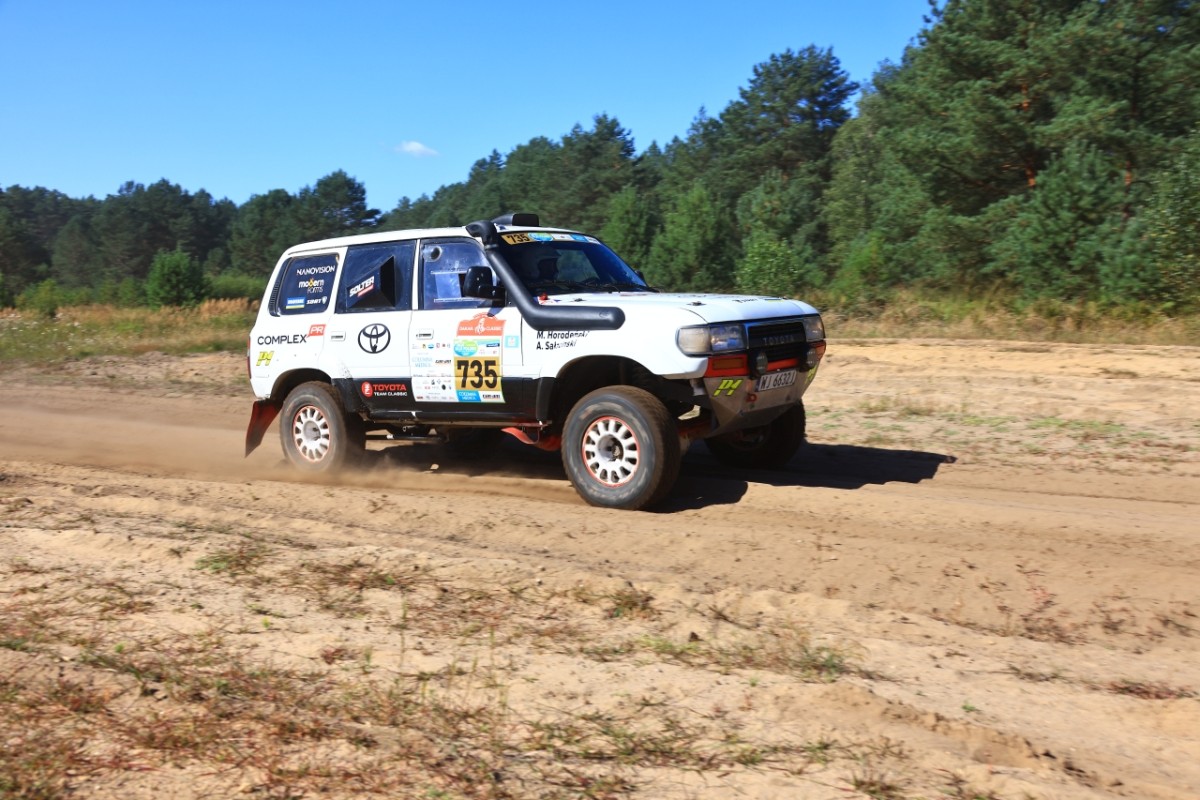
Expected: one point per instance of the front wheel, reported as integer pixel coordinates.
(620, 448)
(317, 434)
(767, 446)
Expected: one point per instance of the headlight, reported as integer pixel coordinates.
(702, 340)
(814, 329)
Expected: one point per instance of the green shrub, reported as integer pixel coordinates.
(43, 298)
(175, 280)
(236, 286)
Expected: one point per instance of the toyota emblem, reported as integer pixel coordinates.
(374, 338)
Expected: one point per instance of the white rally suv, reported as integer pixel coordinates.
(503, 325)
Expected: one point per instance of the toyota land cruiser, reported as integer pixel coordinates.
(544, 333)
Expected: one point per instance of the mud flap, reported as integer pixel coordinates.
(261, 417)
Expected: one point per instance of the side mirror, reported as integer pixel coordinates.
(478, 283)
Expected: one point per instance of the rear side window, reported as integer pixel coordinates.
(306, 285)
(377, 277)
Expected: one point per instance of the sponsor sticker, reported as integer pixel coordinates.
(374, 338)
(283, 338)
(322, 270)
(727, 385)
(526, 238)
(433, 390)
(294, 303)
(381, 389)
(481, 325)
(362, 288)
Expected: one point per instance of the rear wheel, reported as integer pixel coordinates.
(317, 434)
(620, 449)
(768, 446)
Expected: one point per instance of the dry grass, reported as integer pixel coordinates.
(92, 690)
(79, 332)
(909, 314)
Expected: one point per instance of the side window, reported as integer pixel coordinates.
(443, 266)
(305, 285)
(377, 277)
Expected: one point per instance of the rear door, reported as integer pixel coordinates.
(369, 327)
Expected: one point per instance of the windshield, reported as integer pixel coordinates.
(556, 263)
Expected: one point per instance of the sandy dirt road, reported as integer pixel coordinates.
(980, 579)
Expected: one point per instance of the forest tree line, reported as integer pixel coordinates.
(1039, 148)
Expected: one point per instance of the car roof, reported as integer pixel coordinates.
(401, 235)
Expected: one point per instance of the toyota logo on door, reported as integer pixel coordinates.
(374, 338)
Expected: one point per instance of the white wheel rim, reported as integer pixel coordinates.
(310, 433)
(611, 451)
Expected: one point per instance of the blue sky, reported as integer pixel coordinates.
(240, 97)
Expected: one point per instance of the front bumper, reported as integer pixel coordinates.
(749, 401)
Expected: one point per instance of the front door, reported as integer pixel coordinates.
(466, 352)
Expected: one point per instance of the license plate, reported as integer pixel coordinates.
(776, 380)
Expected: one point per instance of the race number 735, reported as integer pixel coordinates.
(476, 373)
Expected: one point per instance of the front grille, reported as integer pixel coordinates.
(780, 339)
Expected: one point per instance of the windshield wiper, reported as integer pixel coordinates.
(588, 286)
(555, 284)
(619, 286)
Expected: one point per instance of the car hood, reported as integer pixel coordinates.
(708, 307)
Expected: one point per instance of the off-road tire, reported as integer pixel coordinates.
(620, 448)
(317, 433)
(769, 446)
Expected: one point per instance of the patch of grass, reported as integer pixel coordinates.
(975, 420)
(1149, 690)
(877, 786)
(1036, 676)
(40, 763)
(786, 651)
(111, 598)
(243, 559)
(631, 603)
(958, 788)
(22, 627)
(339, 587)
(1081, 429)
(899, 406)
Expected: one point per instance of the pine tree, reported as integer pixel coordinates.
(1068, 239)
(263, 228)
(696, 249)
(1173, 227)
(632, 222)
